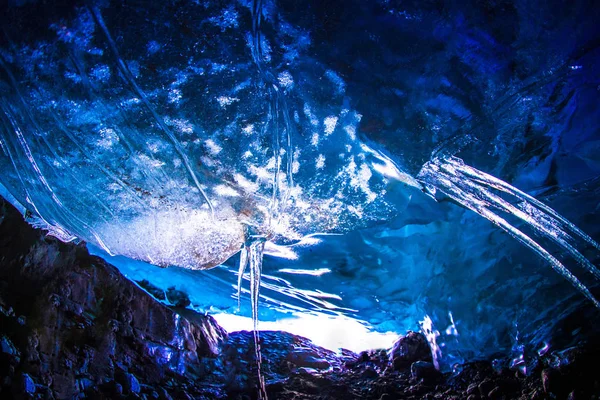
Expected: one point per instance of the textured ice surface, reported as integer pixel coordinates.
(177, 133)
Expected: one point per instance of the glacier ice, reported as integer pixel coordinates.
(333, 134)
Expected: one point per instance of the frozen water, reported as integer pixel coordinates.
(366, 146)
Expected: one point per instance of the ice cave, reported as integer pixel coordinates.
(285, 199)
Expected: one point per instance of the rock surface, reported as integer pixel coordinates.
(408, 349)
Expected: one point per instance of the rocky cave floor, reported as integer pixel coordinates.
(71, 326)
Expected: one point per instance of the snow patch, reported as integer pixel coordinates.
(330, 123)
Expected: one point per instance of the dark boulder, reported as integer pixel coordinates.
(424, 371)
(408, 349)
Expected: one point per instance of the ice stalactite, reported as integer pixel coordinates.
(252, 254)
(243, 265)
(488, 196)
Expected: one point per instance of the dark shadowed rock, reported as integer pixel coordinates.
(128, 381)
(157, 292)
(408, 349)
(425, 371)
(282, 354)
(472, 389)
(369, 373)
(177, 298)
(495, 393)
(549, 380)
(486, 386)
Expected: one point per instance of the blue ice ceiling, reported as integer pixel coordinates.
(396, 161)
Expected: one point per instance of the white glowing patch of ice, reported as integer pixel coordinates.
(247, 185)
(155, 146)
(388, 168)
(451, 329)
(148, 162)
(261, 173)
(213, 147)
(226, 191)
(183, 237)
(285, 79)
(180, 125)
(113, 187)
(225, 101)
(309, 114)
(356, 210)
(295, 167)
(283, 226)
(108, 138)
(301, 204)
(271, 164)
(248, 129)
(208, 161)
(296, 163)
(130, 102)
(312, 240)
(314, 140)
(365, 175)
(330, 124)
(358, 178)
(174, 95)
(330, 332)
(278, 251)
(320, 163)
(351, 131)
(311, 272)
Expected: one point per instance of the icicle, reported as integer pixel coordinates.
(252, 254)
(255, 258)
(474, 190)
(243, 264)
